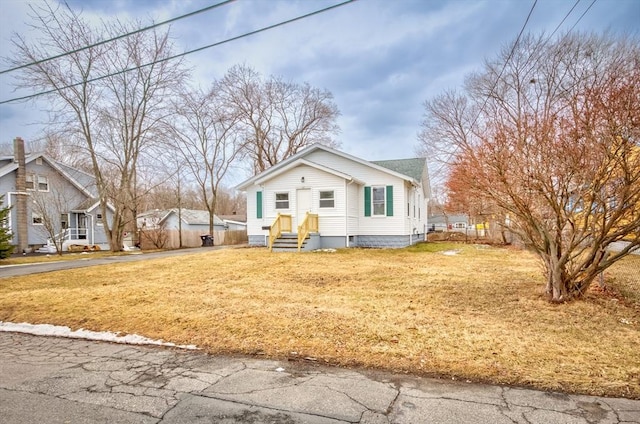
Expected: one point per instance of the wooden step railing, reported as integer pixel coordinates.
(280, 225)
(308, 225)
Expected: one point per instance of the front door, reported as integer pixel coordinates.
(303, 204)
(82, 226)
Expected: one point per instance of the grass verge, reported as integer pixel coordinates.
(479, 314)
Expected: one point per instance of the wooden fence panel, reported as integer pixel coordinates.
(170, 239)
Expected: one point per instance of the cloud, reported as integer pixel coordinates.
(380, 59)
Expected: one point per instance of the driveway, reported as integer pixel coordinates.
(59, 380)
(85, 261)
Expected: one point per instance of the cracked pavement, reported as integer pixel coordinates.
(57, 380)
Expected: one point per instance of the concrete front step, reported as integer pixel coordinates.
(288, 243)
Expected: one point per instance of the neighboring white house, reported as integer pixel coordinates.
(42, 191)
(453, 222)
(192, 220)
(358, 203)
(235, 222)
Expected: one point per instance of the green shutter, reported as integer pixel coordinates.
(389, 200)
(367, 201)
(259, 204)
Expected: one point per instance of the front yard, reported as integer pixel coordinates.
(478, 315)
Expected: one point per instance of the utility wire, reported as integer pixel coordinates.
(450, 155)
(582, 16)
(228, 40)
(504, 66)
(37, 62)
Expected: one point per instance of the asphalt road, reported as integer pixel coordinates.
(87, 260)
(56, 380)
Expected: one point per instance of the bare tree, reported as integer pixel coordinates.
(550, 135)
(277, 118)
(52, 209)
(108, 99)
(205, 136)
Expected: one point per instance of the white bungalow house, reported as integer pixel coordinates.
(345, 201)
(47, 196)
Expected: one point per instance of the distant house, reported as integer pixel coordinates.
(42, 191)
(235, 222)
(173, 228)
(192, 220)
(339, 199)
(453, 222)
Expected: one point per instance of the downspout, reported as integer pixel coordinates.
(346, 211)
(426, 219)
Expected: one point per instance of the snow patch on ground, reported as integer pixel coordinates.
(451, 252)
(60, 331)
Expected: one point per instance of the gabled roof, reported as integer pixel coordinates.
(188, 216)
(81, 180)
(267, 175)
(412, 167)
(289, 163)
(234, 218)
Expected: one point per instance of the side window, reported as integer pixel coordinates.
(282, 200)
(43, 183)
(327, 199)
(99, 219)
(36, 219)
(378, 200)
(30, 185)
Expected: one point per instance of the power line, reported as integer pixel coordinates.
(37, 62)
(582, 16)
(504, 66)
(450, 155)
(228, 40)
(565, 18)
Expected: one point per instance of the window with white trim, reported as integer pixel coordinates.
(378, 201)
(36, 218)
(327, 199)
(43, 183)
(282, 200)
(29, 182)
(460, 225)
(99, 219)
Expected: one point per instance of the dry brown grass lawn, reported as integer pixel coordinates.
(479, 315)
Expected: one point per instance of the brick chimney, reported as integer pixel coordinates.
(21, 197)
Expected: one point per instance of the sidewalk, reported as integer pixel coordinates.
(57, 380)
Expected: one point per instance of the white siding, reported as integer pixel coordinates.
(254, 225)
(333, 221)
(354, 201)
(374, 225)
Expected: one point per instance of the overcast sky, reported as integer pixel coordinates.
(380, 59)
